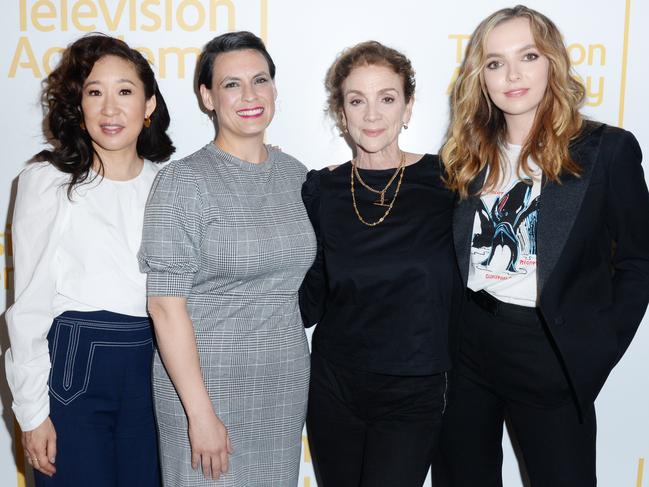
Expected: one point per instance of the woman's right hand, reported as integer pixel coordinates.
(208, 437)
(210, 445)
(40, 447)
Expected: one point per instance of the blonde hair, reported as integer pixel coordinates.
(476, 134)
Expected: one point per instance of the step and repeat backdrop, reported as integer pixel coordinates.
(606, 39)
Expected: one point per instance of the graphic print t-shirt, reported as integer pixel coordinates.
(503, 246)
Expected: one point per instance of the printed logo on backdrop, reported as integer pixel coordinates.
(37, 18)
(601, 64)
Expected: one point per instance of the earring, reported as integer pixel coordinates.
(82, 125)
(404, 125)
(147, 122)
(342, 123)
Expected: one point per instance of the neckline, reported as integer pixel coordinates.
(249, 166)
(390, 169)
(99, 178)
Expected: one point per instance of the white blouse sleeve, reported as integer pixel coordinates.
(37, 220)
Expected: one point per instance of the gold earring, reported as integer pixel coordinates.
(82, 125)
(147, 122)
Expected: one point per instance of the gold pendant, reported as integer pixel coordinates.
(381, 201)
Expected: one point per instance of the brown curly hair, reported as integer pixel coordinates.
(368, 53)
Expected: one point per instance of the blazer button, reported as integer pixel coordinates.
(559, 321)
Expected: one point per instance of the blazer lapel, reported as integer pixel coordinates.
(463, 218)
(559, 204)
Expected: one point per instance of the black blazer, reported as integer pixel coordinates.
(592, 254)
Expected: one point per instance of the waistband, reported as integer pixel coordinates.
(500, 309)
(104, 318)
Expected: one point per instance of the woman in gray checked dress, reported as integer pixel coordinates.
(226, 245)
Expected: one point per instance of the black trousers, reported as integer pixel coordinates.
(372, 430)
(508, 368)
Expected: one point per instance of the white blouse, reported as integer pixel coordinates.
(77, 255)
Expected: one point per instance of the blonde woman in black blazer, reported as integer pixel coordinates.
(552, 239)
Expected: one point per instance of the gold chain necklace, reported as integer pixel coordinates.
(381, 192)
(400, 168)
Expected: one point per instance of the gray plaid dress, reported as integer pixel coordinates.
(234, 239)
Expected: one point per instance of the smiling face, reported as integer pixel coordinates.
(242, 94)
(374, 108)
(515, 72)
(114, 107)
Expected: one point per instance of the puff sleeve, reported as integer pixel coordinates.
(37, 221)
(172, 232)
(313, 291)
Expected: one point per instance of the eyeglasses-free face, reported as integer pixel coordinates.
(114, 107)
(515, 71)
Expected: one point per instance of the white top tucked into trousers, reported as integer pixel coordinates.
(77, 255)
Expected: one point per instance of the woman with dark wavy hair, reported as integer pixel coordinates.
(79, 366)
(551, 236)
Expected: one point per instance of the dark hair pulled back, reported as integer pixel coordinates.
(228, 42)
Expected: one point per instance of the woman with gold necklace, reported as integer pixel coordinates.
(381, 288)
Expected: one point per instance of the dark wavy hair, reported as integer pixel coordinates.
(72, 151)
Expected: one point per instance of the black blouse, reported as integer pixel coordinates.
(382, 296)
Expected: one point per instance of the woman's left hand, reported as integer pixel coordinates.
(40, 447)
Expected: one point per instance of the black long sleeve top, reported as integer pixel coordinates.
(382, 296)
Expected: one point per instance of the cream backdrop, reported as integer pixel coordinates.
(607, 40)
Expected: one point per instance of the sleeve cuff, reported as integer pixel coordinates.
(169, 284)
(29, 420)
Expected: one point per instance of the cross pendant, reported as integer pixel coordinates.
(381, 201)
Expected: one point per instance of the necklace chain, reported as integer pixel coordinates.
(401, 169)
(377, 191)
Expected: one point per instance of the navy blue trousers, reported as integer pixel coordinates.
(100, 401)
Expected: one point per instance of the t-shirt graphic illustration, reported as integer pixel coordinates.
(503, 248)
